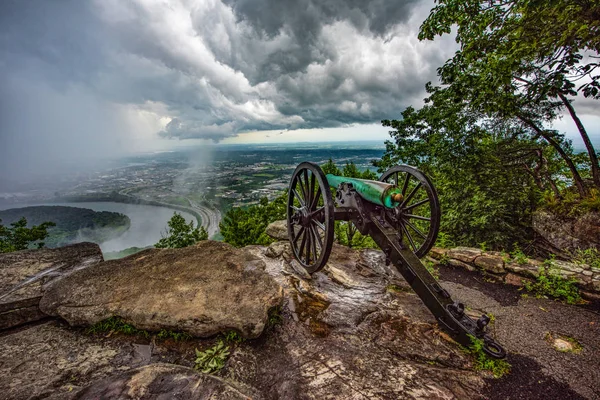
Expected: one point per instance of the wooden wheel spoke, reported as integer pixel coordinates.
(296, 208)
(314, 244)
(315, 201)
(307, 193)
(301, 249)
(412, 193)
(303, 190)
(396, 179)
(414, 228)
(316, 212)
(319, 224)
(417, 204)
(311, 191)
(298, 197)
(410, 239)
(308, 247)
(317, 237)
(417, 217)
(405, 186)
(297, 235)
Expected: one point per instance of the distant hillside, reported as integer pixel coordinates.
(72, 224)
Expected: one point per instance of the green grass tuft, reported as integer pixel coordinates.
(483, 362)
(233, 337)
(116, 325)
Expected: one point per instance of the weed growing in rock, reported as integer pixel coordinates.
(233, 337)
(212, 359)
(550, 283)
(275, 317)
(396, 289)
(432, 269)
(177, 336)
(483, 362)
(445, 260)
(116, 325)
(589, 256)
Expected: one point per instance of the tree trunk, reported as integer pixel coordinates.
(576, 177)
(586, 140)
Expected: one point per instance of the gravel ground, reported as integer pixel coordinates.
(523, 326)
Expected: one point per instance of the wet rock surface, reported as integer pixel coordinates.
(202, 290)
(354, 330)
(25, 274)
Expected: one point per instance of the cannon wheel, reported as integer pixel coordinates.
(310, 216)
(417, 217)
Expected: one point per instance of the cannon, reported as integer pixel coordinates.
(401, 213)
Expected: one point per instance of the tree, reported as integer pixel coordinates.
(521, 61)
(246, 226)
(181, 234)
(479, 166)
(19, 237)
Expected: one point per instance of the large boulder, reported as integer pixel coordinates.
(24, 274)
(568, 233)
(203, 290)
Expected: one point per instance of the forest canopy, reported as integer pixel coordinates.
(70, 223)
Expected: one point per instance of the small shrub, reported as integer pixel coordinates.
(518, 255)
(444, 241)
(483, 362)
(212, 359)
(550, 283)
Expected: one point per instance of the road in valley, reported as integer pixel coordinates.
(210, 217)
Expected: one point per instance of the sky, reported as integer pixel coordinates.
(83, 80)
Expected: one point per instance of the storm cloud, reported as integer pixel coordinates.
(91, 78)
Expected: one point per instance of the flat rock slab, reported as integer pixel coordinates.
(166, 381)
(202, 290)
(24, 274)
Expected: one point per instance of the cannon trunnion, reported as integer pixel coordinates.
(400, 212)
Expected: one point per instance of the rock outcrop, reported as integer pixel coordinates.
(568, 233)
(354, 330)
(202, 290)
(278, 230)
(25, 274)
(514, 271)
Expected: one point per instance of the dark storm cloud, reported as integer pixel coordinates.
(82, 78)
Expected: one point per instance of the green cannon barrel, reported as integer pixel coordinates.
(376, 192)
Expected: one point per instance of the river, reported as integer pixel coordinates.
(147, 222)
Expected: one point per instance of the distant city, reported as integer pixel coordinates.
(206, 181)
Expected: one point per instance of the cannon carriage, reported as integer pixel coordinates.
(400, 212)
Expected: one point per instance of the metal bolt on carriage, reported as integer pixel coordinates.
(401, 213)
